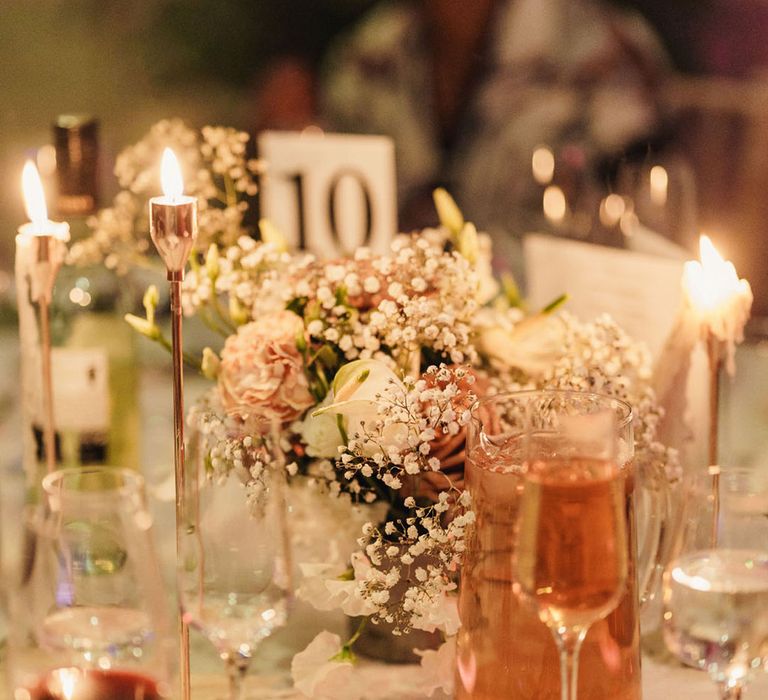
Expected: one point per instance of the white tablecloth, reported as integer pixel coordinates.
(663, 679)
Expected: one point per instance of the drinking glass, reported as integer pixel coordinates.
(504, 650)
(716, 590)
(233, 572)
(572, 488)
(654, 203)
(88, 610)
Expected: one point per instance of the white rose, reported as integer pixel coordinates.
(531, 346)
(320, 431)
(355, 389)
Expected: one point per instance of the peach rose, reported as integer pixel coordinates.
(262, 376)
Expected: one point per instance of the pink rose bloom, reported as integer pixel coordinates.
(262, 376)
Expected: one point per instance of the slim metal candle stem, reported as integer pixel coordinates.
(179, 456)
(715, 364)
(38, 259)
(173, 227)
(49, 431)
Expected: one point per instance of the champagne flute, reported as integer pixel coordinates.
(88, 612)
(233, 574)
(571, 543)
(716, 593)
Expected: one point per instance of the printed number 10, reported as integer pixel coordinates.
(363, 238)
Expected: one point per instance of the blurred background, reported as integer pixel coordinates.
(253, 64)
(470, 90)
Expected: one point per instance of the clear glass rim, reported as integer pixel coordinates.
(627, 413)
(121, 480)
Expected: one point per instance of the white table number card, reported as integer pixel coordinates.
(329, 193)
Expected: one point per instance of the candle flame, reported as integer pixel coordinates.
(713, 280)
(720, 301)
(170, 175)
(34, 196)
(68, 679)
(711, 260)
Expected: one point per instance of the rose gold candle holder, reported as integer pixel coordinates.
(39, 257)
(173, 227)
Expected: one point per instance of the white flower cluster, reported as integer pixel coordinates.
(230, 449)
(429, 299)
(419, 296)
(600, 357)
(367, 306)
(216, 170)
(398, 444)
(412, 562)
(252, 274)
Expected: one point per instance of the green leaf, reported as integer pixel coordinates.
(345, 655)
(553, 305)
(271, 234)
(342, 296)
(297, 305)
(342, 429)
(327, 355)
(511, 290)
(448, 211)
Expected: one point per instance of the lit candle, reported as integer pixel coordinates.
(173, 227)
(720, 303)
(41, 246)
(719, 300)
(41, 243)
(173, 218)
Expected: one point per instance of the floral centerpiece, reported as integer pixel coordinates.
(370, 365)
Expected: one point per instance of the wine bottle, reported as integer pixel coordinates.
(95, 379)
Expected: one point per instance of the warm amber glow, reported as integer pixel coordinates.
(68, 679)
(711, 281)
(46, 160)
(34, 196)
(612, 208)
(170, 175)
(543, 165)
(554, 204)
(659, 184)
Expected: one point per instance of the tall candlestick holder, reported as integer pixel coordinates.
(715, 364)
(41, 247)
(173, 227)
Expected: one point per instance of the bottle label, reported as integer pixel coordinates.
(81, 389)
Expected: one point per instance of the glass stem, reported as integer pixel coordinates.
(237, 669)
(568, 642)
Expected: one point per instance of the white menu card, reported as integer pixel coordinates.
(641, 292)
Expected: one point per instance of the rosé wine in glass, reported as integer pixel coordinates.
(505, 652)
